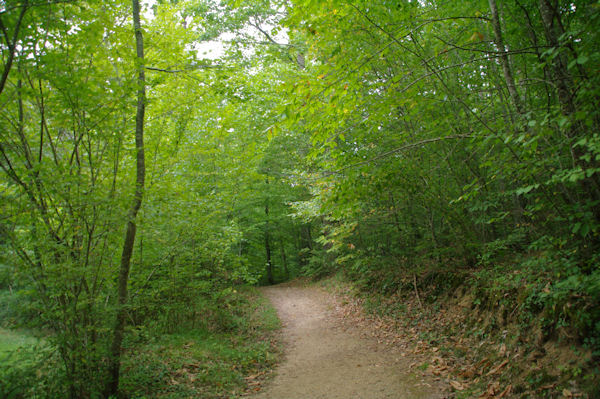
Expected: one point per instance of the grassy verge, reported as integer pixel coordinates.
(216, 360)
(13, 340)
(204, 363)
(24, 359)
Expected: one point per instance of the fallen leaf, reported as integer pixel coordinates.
(506, 391)
(483, 363)
(467, 373)
(502, 351)
(458, 386)
(545, 387)
(438, 360)
(497, 368)
(492, 389)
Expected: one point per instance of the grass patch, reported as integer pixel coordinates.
(214, 361)
(12, 340)
(204, 363)
(28, 367)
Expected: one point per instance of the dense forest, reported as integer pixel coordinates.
(157, 158)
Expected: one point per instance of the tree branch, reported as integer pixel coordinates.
(187, 69)
(405, 147)
(11, 45)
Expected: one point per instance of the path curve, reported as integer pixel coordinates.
(326, 360)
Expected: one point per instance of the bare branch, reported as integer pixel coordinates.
(399, 149)
(11, 45)
(186, 69)
(269, 38)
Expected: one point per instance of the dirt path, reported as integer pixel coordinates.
(325, 359)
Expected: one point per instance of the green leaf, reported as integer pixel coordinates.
(582, 59)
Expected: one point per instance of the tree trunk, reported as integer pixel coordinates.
(267, 241)
(395, 213)
(269, 264)
(268, 249)
(564, 89)
(561, 78)
(114, 365)
(508, 76)
(284, 258)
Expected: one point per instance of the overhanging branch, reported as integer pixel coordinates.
(399, 149)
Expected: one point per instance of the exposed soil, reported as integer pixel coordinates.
(328, 357)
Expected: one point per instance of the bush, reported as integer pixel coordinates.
(33, 372)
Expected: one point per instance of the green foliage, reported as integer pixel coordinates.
(384, 139)
(209, 361)
(27, 368)
(67, 153)
(451, 163)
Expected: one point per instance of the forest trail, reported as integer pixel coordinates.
(327, 359)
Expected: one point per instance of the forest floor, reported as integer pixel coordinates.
(328, 355)
(448, 347)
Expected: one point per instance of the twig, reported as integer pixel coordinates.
(186, 69)
(399, 149)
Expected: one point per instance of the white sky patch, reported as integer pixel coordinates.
(146, 6)
(212, 50)
(215, 49)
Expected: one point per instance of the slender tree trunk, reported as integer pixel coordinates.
(309, 239)
(395, 213)
(304, 244)
(284, 258)
(508, 76)
(114, 365)
(267, 241)
(564, 89)
(268, 251)
(561, 77)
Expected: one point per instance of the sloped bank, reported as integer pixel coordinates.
(483, 334)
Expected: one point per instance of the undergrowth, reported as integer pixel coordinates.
(203, 363)
(211, 361)
(529, 314)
